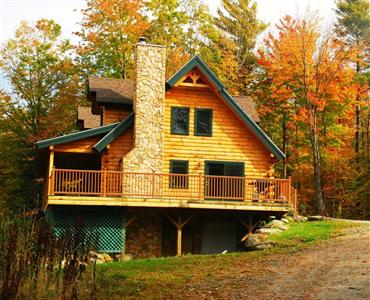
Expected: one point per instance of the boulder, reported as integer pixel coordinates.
(300, 218)
(264, 246)
(268, 230)
(276, 224)
(255, 239)
(107, 257)
(315, 218)
(95, 257)
(286, 221)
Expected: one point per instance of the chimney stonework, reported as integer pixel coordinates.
(146, 156)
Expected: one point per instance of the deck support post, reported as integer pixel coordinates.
(179, 237)
(179, 225)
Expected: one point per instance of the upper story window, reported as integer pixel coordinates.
(180, 120)
(203, 122)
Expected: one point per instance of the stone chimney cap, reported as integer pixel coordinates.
(142, 40)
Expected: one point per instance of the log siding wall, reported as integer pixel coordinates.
(231, 140)
(113, 114)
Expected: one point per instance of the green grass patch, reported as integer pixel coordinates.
(309, 232)
(161, 277)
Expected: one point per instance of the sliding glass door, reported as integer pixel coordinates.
(224, 180)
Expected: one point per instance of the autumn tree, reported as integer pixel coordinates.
(310, 73)
(41, 103)
(353, 25)
(237, 20)
(110, 30)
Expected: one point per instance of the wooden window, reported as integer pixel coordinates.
(180, 120)
(203, 122)
(179, 167)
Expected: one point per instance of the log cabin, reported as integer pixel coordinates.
(162, 168)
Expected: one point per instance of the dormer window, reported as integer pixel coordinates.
(203, 122)
(180, 120)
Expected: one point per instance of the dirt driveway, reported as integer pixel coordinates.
(335, 269)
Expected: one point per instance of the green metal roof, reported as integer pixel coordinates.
(114, 133)
(75, 136)
(197, 62)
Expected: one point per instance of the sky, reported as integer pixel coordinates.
(68, 13)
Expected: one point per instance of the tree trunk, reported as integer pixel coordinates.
(357, 134)
(316, 161)
(358, 117)
(284, 129)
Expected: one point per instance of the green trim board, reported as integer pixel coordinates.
(196, 62)
(114, 133)
(196, 118)
(75, 136)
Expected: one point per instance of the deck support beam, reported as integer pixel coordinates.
(179, 225)
(249, 225)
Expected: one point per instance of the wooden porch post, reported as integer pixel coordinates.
(50, 172)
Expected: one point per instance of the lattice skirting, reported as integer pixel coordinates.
(105, 226)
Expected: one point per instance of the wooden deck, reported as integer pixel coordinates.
(113, 188)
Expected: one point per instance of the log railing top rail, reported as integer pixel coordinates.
(104, 183)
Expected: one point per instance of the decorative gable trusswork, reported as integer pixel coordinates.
(193, 79)
(196, 63)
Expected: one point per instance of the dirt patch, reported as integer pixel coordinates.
(335, 269)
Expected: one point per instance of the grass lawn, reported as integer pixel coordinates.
(161, 277)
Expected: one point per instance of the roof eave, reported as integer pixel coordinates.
(114, 133)
(75, 136)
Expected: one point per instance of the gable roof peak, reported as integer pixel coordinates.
(196, 61)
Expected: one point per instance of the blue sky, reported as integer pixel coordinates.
(67, 13)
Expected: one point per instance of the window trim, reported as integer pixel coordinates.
(196, 121)
(172, 120)
(174, 185)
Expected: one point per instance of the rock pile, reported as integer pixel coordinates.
(99, 258)
(259, 239)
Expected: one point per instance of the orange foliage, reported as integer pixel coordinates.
(311, 82)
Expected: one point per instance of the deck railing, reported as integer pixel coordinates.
(170, 186)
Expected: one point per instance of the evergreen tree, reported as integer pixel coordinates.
(237, 19)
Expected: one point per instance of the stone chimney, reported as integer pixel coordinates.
(146, 156)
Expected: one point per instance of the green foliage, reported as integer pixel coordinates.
(354, 19)
(44, 93)
(237, 20)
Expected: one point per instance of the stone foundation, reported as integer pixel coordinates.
(144, 236)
